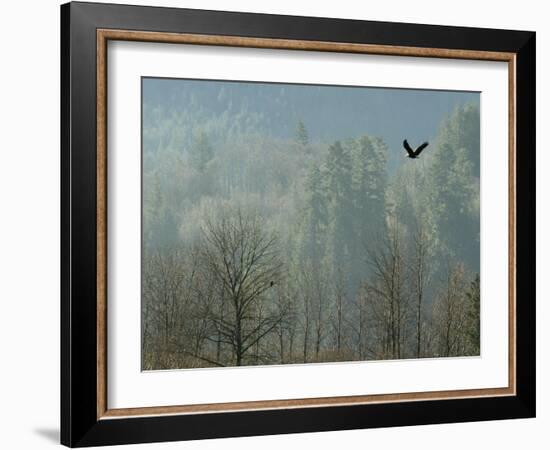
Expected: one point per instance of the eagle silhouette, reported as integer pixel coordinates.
(414, 153)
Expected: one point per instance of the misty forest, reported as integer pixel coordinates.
(284, 224)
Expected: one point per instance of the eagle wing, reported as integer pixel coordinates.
(419, 149)
(410, 151)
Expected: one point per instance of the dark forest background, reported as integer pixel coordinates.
(284, 224)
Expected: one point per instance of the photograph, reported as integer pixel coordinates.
(303, 223)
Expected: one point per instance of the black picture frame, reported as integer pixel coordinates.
(80, 425)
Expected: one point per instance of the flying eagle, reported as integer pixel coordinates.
(414, 153)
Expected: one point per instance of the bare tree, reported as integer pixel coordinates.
(474, 316)
(360, 325)
(199, 327)
(389, 299)
(244, 260)
(306, 320)
(286, 329)
(420, 272)
(166, 280)
(450, 313)
(313, 287)
(338, 316)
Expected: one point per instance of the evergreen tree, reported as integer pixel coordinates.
(368, 183)
(201, 151)
(160, 225)
(152, 208)
(166, 230)
(454, 187)
(315, 215)
(369, 180)
(301, 135)
(339, 203)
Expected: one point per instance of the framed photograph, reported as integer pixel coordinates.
(277, 224)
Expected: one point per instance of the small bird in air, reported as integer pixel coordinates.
(414, 153)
